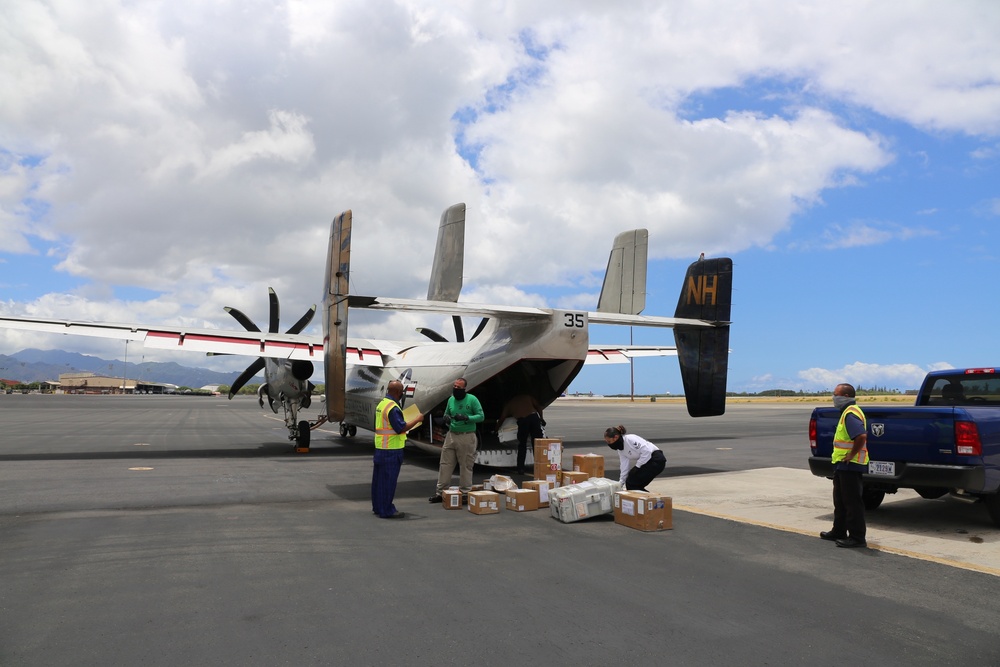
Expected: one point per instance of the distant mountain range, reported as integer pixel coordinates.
(39, 365)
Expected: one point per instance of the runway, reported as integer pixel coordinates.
(167, 530)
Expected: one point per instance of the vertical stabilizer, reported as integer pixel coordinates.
(703, 352)
(624, 289)
(338, 267)
(449, 256)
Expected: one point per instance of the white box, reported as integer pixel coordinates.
(591, 498)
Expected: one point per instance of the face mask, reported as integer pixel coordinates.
(841, 402)
(618, 444)
(459, 394)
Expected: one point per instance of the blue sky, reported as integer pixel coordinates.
(186, 156)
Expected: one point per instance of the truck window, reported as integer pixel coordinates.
(964, 390)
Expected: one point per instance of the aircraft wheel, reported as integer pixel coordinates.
(303, 439)
(872, 498)
(343, 430)
(352, 430)
(992, 503)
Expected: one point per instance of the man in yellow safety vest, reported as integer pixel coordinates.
(850, 461)
(390, 437)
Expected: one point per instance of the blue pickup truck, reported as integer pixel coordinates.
(948, 442)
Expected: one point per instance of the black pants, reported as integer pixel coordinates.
(530, 426)
(640, 476)
(848, 508)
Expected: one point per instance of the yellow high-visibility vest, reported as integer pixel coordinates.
(842, 443)
(385, 435)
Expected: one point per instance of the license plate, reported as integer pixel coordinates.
(882, 468)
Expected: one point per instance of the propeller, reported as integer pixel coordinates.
(459, 330)
(301, 370)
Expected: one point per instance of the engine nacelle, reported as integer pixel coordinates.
(302, 370)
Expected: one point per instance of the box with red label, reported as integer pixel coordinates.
(548, 452)
(451, 499)
(542, 486)
(484, 502)
(644, 511)
(592, 464)
(522, 500)
(543, 474)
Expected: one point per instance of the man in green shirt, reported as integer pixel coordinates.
(461, 416)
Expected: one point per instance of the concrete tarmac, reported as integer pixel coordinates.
(179, 530)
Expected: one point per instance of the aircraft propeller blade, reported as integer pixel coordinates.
(479, 329)
(242, 319)
(273, 323)
(303, 321)
(251, 370)
(433, 335)
(459, 329)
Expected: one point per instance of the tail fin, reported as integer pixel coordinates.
(703, 352)
(624, 289)
(335, 298)
(449, 256)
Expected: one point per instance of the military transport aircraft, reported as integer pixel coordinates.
(514, 350)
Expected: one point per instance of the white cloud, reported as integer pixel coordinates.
(861, 374)
(200, 149)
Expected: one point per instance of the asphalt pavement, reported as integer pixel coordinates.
(184, 530)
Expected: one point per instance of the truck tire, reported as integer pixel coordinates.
(872, 498)
(992, 503)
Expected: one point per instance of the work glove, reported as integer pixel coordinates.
(461, 418)
(446, 420)
(542, 422)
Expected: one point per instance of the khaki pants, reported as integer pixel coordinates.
(459, 448)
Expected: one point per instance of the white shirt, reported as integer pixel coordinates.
(636, 453)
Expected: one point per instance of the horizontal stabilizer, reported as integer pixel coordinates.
(622, 354)
(485, 310)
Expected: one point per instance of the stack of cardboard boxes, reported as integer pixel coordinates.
(634, 509)
(548, 459)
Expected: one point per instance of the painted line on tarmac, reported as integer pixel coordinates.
(871, 545)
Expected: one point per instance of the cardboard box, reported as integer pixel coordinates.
(522, 500)
(477, 487)
(484, 502)
(451, 499)
(548, 452)
(544, 474)
(589, 463)
(644, 511)
(571, 477)
(542, 486)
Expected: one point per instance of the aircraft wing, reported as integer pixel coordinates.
(213, 341)
(621, 354)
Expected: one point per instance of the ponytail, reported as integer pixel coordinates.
(615, 431)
